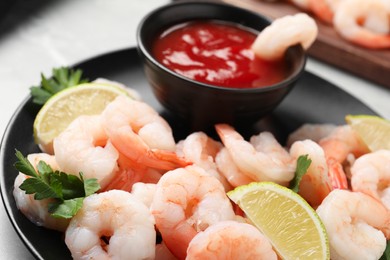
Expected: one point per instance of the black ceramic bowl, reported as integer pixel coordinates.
(200, 105)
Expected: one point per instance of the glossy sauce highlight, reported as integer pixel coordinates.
(216, 53)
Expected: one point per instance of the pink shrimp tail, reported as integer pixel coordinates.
(178, 244)
(322, 10)
(136, 152)
(336, 174)
(124, 180)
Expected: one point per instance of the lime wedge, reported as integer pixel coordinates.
(62, 108)
(373, 130)
(292, 226)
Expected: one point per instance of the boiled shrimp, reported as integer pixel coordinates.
(302, 4)
(324, 9)
(84, 147)
(228, 168)
(371, 175)
(315, 184)
(202, 151)
(350, 21)
(341, 143)
(274, 40)
(314, 132)
(268, 162)
(142, 137)
(144, 192)
(230, 240)
(37, 210)
(187, 201)
(108, 226)
(357, 225)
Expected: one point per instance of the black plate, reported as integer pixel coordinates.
(314, 100)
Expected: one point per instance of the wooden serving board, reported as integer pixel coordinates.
(373, 65)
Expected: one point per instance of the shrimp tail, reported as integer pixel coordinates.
(336, 174)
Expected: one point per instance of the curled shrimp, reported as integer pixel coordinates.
(274, 40)
(228, 168)
(142, 137)
(230, 240)
(371, 175)
(108, 226)
(37, 210)
(187, 201)
(144, 192)
(84, 147)
(357, 225)
(315, 184)
(314, 132)
(261, 159)
(202, 151)
(338, 146)
(350, 17)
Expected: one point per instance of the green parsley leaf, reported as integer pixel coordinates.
(67, 191)
(62, 78)
(303, 163)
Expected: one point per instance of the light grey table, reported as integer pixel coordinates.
(36, 36)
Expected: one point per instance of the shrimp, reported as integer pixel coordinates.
(108, 226)
(357, 225)
(141, 135)
(371, 175)
(261, 159)
(84, 147)
(187, 201)
(348, 23)
(163, 253)
(274, 40)
(338, 145)
(315, 184)
(314, 132)
(37, 210)
(230, 240)
(202, 151)
(144, 192)
(324, 9)
(228, 168)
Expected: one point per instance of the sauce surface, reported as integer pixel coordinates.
(216, 53)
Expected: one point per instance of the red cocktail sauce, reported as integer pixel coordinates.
(216, 53)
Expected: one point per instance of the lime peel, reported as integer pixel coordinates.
(291, 224)
(63, 107)
(374, 131)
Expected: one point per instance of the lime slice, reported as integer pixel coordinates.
(373, 130)
(292, 226)
(62, 108)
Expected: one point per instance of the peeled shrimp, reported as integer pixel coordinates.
(338, 146)
(84, 147)
(187, 201)
(274, 40)
(228, 168)
(303, 4)
(314, 132)
(357, 225)
(37, 210)
(144, 192)
(202, 151)
(315, 184)
(371, 175)
(324, 9)
(261, 159)
(230, 240)
(112, 225)
(348, 23)
(142, 137)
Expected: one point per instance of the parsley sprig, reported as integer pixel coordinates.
(303, 163)
(66, 191)
(62, 78)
